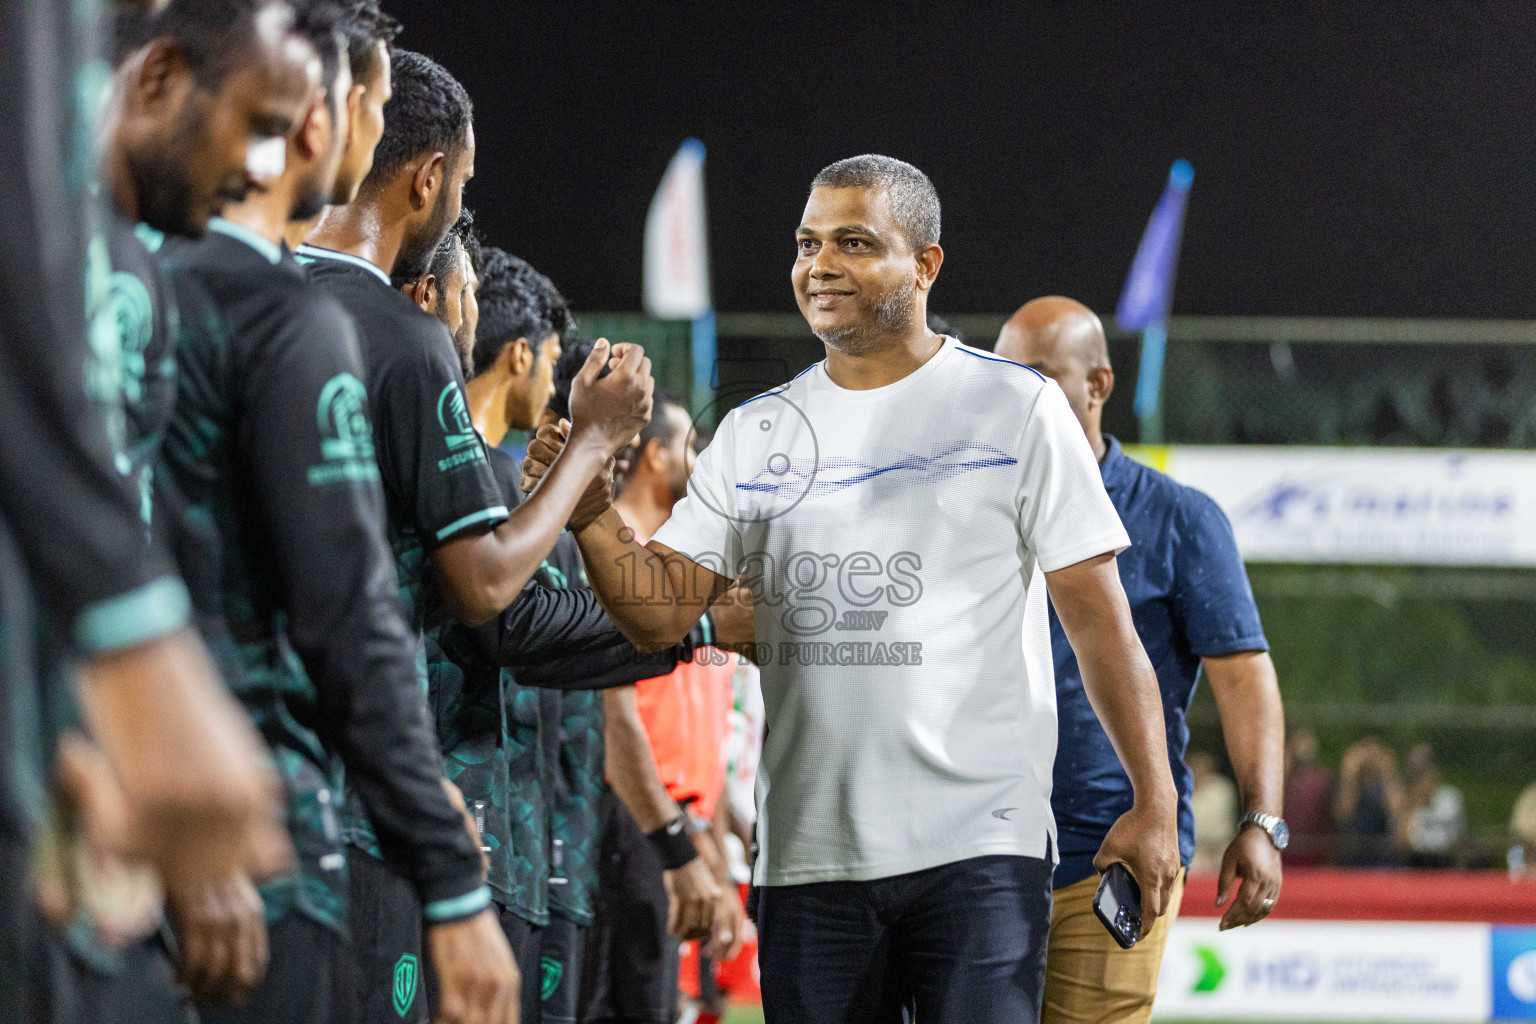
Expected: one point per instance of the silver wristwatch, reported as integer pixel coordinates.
(1273, 826)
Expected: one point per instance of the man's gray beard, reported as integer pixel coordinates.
(893, 315)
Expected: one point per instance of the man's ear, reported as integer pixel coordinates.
(159, 74)
(1101, 384)
(929, 259)
(426, 182)
(522, 357)
(423, 292)
(314, 128)
(654, 454)
(354, 107)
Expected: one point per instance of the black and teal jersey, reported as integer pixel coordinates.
(272, 503)
(496, 695)
(432, 463)
(576, 783)
(574, 771)
(437, 480)
(73, 546)
(142, 309)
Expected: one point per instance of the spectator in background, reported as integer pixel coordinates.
(1309, 798)
(1522, 832)
(1369, 805)
(1435, 824)
(1213, 801)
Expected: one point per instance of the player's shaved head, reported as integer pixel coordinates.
(1063, 339)
(1054, 327)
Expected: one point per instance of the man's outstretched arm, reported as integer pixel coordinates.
(653, 593)
(1122, 688)
(482, 573)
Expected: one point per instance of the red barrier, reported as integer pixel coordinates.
(1386, 895)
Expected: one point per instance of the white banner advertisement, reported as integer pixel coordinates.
(1327, 971)
(1367, 505)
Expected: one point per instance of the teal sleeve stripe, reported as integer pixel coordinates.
(458, 906)
(152, 610)
(499, 512)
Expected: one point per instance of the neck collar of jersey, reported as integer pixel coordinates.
(239, 232)
(1114, 463)
(314, 252)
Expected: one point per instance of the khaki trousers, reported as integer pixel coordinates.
(1088, 978)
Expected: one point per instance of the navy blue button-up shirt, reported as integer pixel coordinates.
(1190, 598)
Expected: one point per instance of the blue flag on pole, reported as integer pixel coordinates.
(1149, 288)
(1148, 296)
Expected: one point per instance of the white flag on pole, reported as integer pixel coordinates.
(676, 244)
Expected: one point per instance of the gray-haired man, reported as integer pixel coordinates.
(900, 535)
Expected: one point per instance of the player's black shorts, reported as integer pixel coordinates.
(83, 984)
(386, 944)
(309, 979)
(526, 939)
(630, 974)
(17, 926)
(559, 978)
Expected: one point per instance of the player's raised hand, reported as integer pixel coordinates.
(545, 447)
(612, 408)
(547, 444)
(478, 981)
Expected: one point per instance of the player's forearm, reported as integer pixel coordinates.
(631, 767)
(637, 587)
(1122, 688)
(1253, 721)
(483, 574)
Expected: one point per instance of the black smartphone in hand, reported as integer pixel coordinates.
(1118, 905)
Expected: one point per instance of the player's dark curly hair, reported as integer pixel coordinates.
(214, 35)
(364, 26)
(471, 239)
(446, 253)
(429, 112)
(319, 21)
(516, 301)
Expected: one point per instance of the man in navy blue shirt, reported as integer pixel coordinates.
(1193, 609)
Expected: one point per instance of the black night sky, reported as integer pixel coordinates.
(1361, 159)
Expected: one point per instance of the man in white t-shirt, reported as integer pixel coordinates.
(900, 523)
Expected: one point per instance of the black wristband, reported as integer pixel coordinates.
(673, 843)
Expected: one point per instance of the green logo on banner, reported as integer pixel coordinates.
(1212, 970)
(552, 971)
(404, 990)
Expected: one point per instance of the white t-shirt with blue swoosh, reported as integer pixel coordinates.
(894, 540)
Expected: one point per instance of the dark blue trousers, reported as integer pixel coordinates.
(963, 943)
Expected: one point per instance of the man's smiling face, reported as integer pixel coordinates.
(855, 274)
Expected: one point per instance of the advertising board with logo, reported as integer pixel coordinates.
(1348, 971)
(1377, 505)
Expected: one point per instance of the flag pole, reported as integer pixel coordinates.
(1149, 382)
(703, 352)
